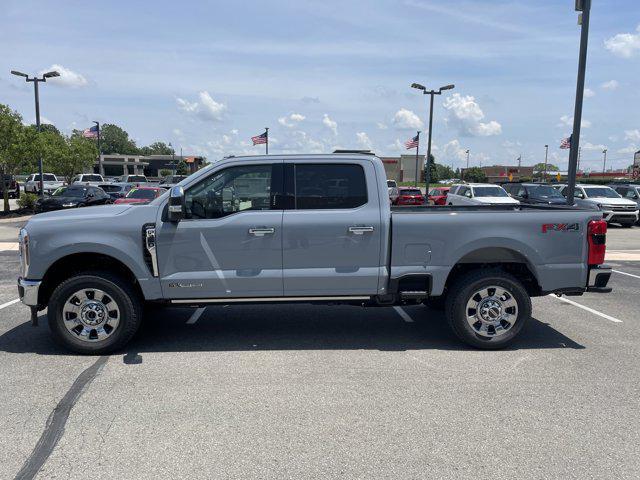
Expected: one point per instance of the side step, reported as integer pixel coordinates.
(414, 295)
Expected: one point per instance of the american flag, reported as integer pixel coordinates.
(566, 143)
(90, 132)
(259, 139)
(412, 142)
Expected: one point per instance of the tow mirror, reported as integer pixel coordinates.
(176, 204)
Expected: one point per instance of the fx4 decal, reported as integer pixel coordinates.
(560, 227)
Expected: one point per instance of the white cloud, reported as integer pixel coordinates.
(610, 85)
(67, 78)
(291, 120)
(567, 121)
(406, 119)
(452, 151)
(630, 149)
(591, 146)
(364, 141)
(330, 124)
(234, 131)
(381, 126)
(45, 121)
(624, 45)
(465, 114)
(589, 93)
(299, 141)
(206, 109)
(633, 135)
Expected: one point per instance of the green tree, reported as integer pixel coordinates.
(53, 148)
(115, 140)
(156, 148)
(82, 154)
(182, 168)
(539, 167)
(444, 171)
(474, 174)
(47, 127)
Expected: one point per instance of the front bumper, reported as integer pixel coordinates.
(615, 216)
(28, 291)
(599, 278)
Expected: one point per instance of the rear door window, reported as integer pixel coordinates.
(329, 186)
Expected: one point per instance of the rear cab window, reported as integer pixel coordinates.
(329, 186)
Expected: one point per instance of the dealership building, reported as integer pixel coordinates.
(149, 165)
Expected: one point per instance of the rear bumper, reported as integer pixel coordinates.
(28, 291)
(599, 278)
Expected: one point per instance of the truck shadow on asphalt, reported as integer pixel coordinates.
(273, 327)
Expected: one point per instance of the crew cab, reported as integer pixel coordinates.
(302, 228)
(615, 209)
(91, 179)
(630, 191)
(50, 183)
(479, 194)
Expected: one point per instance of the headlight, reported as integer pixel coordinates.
(69, 204)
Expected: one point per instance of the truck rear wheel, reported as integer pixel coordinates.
(94, 313)
(487, 309)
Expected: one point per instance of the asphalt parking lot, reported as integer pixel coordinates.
(326, 392)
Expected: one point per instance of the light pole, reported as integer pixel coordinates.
(604, 161)
(173, 160)
(546, 155)
(467, 152)
(583, 6)
(427, 175)
(36, 81)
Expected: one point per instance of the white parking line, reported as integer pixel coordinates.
(405, 316)
(628, 274)
(9, 303)
(591, 310)
(195, 315)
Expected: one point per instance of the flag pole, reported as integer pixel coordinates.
(417, 149)
(266, 145)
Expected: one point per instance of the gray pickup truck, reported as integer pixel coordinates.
(302, 228)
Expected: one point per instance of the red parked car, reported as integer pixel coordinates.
(141, 195)
(438, 195)
(409, 196)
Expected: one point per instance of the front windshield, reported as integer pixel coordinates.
(544, 191)
(142, 193)
(410, 191)
(110, 188)
(70, 192)
(489, 192)
(605, 192)
(47, 177)
(92, 178)
(391, 183)
(137, 178)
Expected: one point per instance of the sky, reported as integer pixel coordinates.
(208, 75)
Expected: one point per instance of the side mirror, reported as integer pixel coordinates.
(176, 204)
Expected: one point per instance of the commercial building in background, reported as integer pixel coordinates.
(403, 168)
(506, 173)
(149, 165)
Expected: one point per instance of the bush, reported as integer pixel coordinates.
(27, 200)
(164, 172)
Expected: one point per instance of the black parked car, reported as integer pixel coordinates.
(73, 196)
(116, 190)
(535, 193)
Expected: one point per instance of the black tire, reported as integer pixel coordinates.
(462, 291)
(119, 290)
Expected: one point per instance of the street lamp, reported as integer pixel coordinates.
(546, 154)
(604, 161)
(36, 81)
(467, 152)
(427, 176)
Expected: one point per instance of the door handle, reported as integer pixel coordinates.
(360, 230)
(261, 231)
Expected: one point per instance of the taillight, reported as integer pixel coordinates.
(597, 238)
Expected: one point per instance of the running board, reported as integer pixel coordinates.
(269, 299)
(414, 295)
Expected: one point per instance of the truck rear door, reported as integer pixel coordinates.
(332, 229)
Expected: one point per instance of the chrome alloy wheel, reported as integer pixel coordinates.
(491, 311)
(90, 315)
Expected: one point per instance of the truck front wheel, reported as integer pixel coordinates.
(94, 313)
(487, 309)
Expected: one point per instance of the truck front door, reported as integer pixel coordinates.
(229, 243)
(332, 231)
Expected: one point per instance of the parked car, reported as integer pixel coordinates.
(9, 183)
(116, 190)
(235, 232)
(615, 209)
(171, 180)
(410, 196)
(134, 179)
(534, 193)
(630, 191)
(73, 196)
(438, 195)
(392, 188)
(91, 179)
(50, 183)
(479, 194)
(141, 195)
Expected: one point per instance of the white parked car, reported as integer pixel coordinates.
(136, 179)
(50, 183)
(92, 179)
(392, 188)
(479, 194)
(615, 209)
